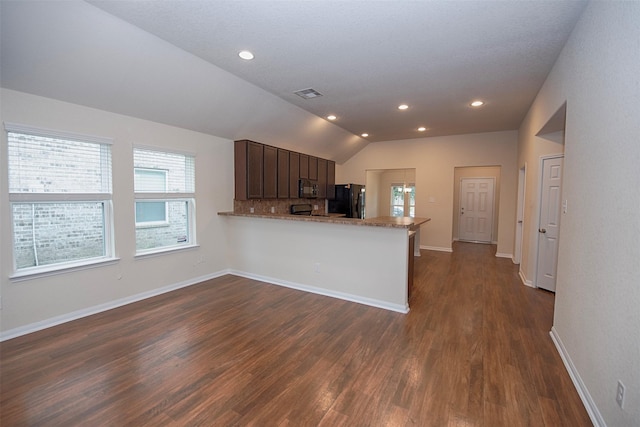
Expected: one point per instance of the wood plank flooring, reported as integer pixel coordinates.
(474, 351)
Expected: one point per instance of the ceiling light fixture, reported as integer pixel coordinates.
(403, 107)
(477, 103)
(245, 54)
(331, 117)
(422, 129)
(364, 135)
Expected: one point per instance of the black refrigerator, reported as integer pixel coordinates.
(349, 201)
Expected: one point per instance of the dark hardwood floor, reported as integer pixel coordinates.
(474, 351)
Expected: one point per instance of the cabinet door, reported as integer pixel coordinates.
(240, 169)
(270, 190)
(294, 174)
(255, 152)
(331, 179)
(313, 168)
(283, 174)
(304, 166)
(322, 178)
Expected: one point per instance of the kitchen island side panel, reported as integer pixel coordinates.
(362, 264)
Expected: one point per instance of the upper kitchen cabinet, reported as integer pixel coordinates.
(248, 160)
(266, 172)
(304, 166)
(294, 173)
(313, 168)
(270, 177)
(331, 179)
(321, 173)
(283, 174)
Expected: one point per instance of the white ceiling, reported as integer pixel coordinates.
(175, 62)
(367, 57)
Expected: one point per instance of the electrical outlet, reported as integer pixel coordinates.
(251, 210)
(273, 210)
(316, 267)
(315, 207)
(620, 394)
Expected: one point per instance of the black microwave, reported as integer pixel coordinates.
(307, 189)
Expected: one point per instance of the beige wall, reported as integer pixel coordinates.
(63, 296)
(597, 316)
(435, 160)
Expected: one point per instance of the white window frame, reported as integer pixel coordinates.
(63, 198)
(188, 197)
(406, 201)
(150, 224)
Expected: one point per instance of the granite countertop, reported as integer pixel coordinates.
(382, 221)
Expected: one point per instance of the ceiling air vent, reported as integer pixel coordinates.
(308, 93)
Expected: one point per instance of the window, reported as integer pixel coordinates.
(60, 196)
(151, 213)
(164, 185)
(403, 199)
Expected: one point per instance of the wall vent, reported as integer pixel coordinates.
(308, 93)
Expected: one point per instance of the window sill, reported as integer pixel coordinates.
(162, 251)
(38, 272)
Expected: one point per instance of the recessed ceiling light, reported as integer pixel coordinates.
(477, 103)
(245, 54)
(422, 129)
(331, 117)
(364, 135)
(403, 107)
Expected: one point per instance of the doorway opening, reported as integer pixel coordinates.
(550, 203)
(390, 192)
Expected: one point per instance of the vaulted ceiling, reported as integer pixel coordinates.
(365, 58)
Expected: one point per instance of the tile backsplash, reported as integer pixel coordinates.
(280, 206)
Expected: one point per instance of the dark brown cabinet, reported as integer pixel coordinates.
(248, 157)
(283, 174)
(270, 177)
(294, 174)
(331, 179)
(322, 177)
(313, 168)
(304, 166)
(266, 172)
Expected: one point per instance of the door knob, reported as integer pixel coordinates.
(542, 230)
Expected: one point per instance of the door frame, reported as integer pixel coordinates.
(520, 209)
(539, 205)
(493, 208)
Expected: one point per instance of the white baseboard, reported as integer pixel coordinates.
(587, 401)
(436, 248)
(501, 255)
(525, 282)
(326, 292)
(57, 320)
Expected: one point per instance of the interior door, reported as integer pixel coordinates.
(549, 228)
(476, 209)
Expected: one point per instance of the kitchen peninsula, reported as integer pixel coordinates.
(365, 261)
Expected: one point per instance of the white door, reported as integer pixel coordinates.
(549, 225)
(476, 209)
